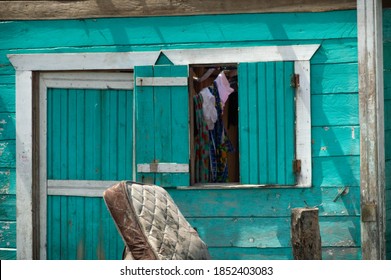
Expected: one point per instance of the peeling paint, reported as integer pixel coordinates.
(353, 133)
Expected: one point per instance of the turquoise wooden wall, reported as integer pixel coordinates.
(239, 223)
(387, 122)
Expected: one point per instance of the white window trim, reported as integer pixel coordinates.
(26, 64)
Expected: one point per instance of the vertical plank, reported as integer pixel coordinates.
(145, 134)
(262, 120)
(81, 134)
(180, 126)
(371, 109)
(121, 135)
(163, 124)
(290, 118)
(24, 148)
(243, 123)
(281, 123)
(253, 122)
(113, 134)
(271, 123)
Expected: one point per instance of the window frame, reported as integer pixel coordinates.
(28, 67)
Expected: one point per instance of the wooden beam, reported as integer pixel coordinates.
(371, 108)
(305, 234)
(67, 9)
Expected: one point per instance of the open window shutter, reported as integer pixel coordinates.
(267, 123)
(162, 125)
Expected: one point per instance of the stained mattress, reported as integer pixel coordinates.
(151, 225)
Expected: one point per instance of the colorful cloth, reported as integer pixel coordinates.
(201, 143)
(220, 144)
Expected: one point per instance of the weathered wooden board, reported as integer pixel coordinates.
(7, 99)
(7, 254)
(163, 30)
(336, 171)
(336, 51)
(334, 78)
(335, 141)
(7, 181)
(7, 234)
(273, 232)
(7, 126)
(334, 109)
(85, 228)
(265, 202)
(233, 253)
(38, 9)
(7, 152)
(8, 207)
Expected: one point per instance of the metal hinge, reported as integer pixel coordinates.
(295, 80)
(296, 165)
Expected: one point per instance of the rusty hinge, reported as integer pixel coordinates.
(295, 80)
(297, 165)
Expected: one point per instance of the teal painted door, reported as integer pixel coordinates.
(89, 137)
(162, 124)
(266, 123)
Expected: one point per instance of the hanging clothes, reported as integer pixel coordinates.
(220, 145)
(224, 88)
(209, 107)
(201, 142)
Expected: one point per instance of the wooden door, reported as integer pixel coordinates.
(89, 144)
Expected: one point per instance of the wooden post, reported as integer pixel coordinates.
(305, 234)
(371, 109)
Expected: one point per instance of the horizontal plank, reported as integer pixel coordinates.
(35, 9)
(387, 112)
(7, 254)
(7, 102)
(89, 188)
(7, 181)
(7, 153)
(334, 109)
(335, 141)
(167, 31)
(234, 253)
(273, 232)
(334, 78)
(7, 126)
(7, 234)
(265, 202)
(336, 171)
(336, 51)
(387, 84)
(388, 173)
(161, 81)
(8, 207)
(387, 24)
(163, 168)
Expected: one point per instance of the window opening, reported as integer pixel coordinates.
(214, 116)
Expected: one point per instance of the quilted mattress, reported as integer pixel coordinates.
(151, 224)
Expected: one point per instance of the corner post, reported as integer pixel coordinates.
(371, 111)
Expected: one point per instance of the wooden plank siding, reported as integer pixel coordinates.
(38, 9)
(248, 223)
(387, 122)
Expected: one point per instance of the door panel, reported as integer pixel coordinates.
(89, 137)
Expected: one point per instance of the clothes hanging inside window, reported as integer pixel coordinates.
(201, 142)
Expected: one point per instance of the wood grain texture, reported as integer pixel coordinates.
(120, 8)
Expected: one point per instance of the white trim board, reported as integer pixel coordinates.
(122, 60)
(25, 64)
